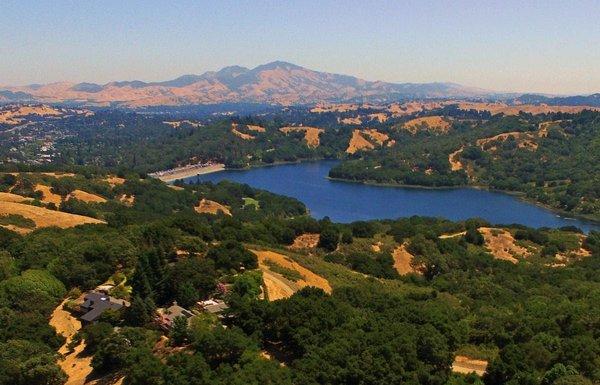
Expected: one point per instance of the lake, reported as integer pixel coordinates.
(347, 202)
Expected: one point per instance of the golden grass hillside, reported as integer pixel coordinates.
(44, 217)
(9, 197)
(278, 286)
(433, 123)
(86, 197)
(367, 139)
(311, 134)
(47, 195)
(358, 143)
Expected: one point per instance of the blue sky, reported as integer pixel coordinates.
(545, 46)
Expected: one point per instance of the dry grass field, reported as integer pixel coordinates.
(44, 217)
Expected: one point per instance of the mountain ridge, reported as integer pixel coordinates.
(277, 82)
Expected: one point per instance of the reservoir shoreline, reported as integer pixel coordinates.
(521, 195)
(348, 200)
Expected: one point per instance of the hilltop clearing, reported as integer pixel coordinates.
(179, 123)
(502, 244)
(9, 197)
(13, 115)
(235, 129)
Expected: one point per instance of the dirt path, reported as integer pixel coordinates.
(76, 367)
(455, 164)
(446, 236)
(277, 288)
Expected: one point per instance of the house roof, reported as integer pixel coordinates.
(96, 303)
(213, 306)
(174, 311)
(216, 308)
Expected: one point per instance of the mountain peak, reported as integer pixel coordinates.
(277, 64)
(233, 71)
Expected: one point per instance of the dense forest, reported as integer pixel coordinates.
(533, 320)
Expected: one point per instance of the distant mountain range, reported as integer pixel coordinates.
(273, 83)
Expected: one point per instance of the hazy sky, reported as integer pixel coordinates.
(545, 46)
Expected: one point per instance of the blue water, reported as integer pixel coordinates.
(347, 202)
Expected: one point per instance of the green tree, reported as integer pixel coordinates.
(179, 331)
(329, 238)
(139, 313)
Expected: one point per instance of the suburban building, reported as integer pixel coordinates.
(213, 306)
(95, 303)
(166, 316)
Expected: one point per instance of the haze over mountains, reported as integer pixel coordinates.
(273, 83)
(277, 82)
